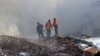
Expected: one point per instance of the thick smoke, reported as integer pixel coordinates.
(78, 16)
(19, 17)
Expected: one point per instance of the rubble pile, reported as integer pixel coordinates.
(13, 46)
(70, 47)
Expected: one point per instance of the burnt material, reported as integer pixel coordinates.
(13, 46)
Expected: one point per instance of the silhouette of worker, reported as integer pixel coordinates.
(55, 24)
(40, 30)
(48, 28)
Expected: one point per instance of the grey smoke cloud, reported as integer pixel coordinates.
(19, 17)
(78, 16)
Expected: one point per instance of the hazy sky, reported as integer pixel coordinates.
(19, 17)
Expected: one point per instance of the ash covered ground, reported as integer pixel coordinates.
(58, 46)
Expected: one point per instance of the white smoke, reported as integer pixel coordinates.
(19, 17)
(12, 30)
(72, 16)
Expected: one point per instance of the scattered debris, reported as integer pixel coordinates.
(63, 46)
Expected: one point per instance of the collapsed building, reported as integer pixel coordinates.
(64, 46)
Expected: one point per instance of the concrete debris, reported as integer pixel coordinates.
(13, 46)
(1, 52)
(60, 54)
(23, 54)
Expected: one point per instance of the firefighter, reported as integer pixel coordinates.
(48, 28)
(55, 24)
(39, 29)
